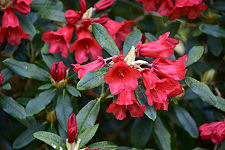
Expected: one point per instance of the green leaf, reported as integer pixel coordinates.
(73, 91)
(104, 39)
(26, 69)
(199, 148)
(92, 79)
(194, 55)
(10, 106)
(187, 121)
(220, 5)
(40, 4)
(141, 132)
(202, 90)
(52, 14)
(220, 103)
(39, 103)
(27, 25)
(213, 30)
(27, 136)
(131, 40)
(162, 136)
(6, 86)
(87, 115)
(63, 109)
(103, 145)
(10, 49)
(51, 139)
(7, 74)
(172, 28)
(45, 86)
(150, 37)
(142, 98)
(215, 45)
(87, 135)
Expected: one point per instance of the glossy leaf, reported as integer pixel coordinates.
(7, 74)
(103, 145)
(52, 14)
(215, 45)
(194, 55)
(150, 37)
(214, 30)
(220, 103)
(73, 91)
(45, 86)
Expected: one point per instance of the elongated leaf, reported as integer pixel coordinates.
(87, 135)
(92, 79)
(213, 30)
(63, 109)
(215, 45)
(103, 145)
(150, 37)
(73, 91)
(51, 139)
(27, 136)
(87, 115)
(26, 69)
(6, 86)
(45, 86)
(194, 55)
(39, 103)
(142, 98)
(202, 90)
(52, 14)
(162, 136)
(187, 121)
(104, 39)
(131, 40)
(10, 106)
(40, 4)
(7, 74)
(220, 103)
(141, 132)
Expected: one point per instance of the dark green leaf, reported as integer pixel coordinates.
(28, 121)
(150, 37)
(39, 103)
(52, 14)
(40, 4)
(6, 86)
(10, 106)
(87, 115)
(10, 49)
(220, 5)
(131, 40)
(213, 30)
(202, 90)
(220, 103)
(104, 39)
(7, 74)
(92, 79)
(45, 86)
(142, 98)
(104, 145)
(199, 148)
(51, 139)
(27, 136)
(63, 109)
(194, 55)
(215, 45)
(73, 91)
(162, 136)
(26, 69)
(87, 135)
(186, 121)
(172, 28)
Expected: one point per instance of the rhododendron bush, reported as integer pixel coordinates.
(112, 74)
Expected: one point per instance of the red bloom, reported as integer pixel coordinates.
(85, 45)
(92, 149)
(1, 79)
(191, 8)
(58, 71)
(121, 76)
(214, 131)
(72, 16)
(120, 106)
(83, 6)
(11, 28)
(72, 128)
(22, 6)
(59, 40)
(83, 69)
(162, 106)
(149, 5)
(162, 48)
(103, 4)
(165, 7)
(170, 68)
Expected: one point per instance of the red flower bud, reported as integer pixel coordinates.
(72, 16)
(58, 71)
(72, 128)
(22, 6)
(103, 4)
(83, 6)
(1, 79)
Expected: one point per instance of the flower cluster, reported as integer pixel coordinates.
(85, 45)
(11, 28)
(160, 77)
(214, 131)
(192, 8)
(1, 79)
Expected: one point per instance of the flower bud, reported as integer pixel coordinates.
(83, 6)
(72, 128)
(208, 76)
(1, 79)
(59, 72)
(72, 16)
(103, 4)
(51, 116)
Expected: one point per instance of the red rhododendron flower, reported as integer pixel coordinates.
(135, 109)
(161, 48)
(85, 45)
(72, 128)
(59, 40)
(83, 6)
(83, 69)
(11, 28)
(22, 6)
(103, 4)
(192, 8)
(214, 131)
(121, 76)
(170, 68)
(1, 79)
(72, 16)
(162, 106)
(58, 71)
